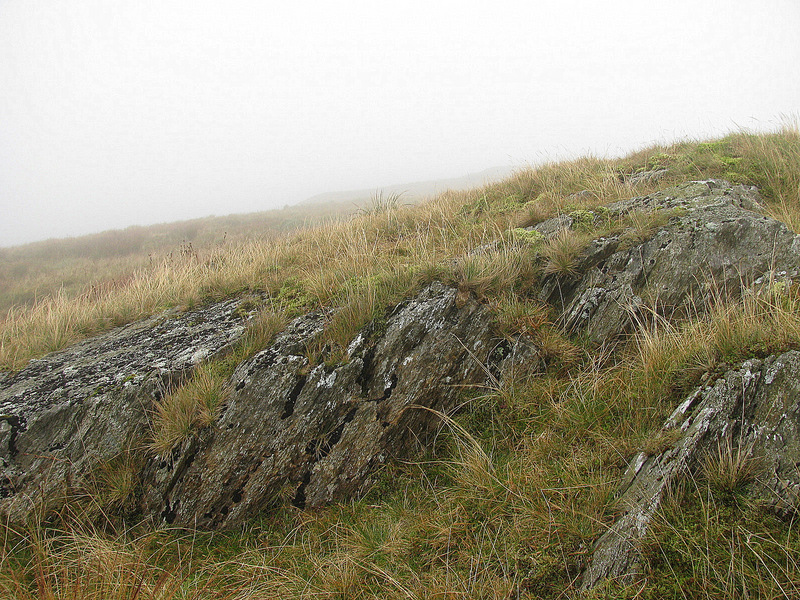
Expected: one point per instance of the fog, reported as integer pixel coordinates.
(114, 113)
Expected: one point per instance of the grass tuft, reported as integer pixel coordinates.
(562, 252)
(193, 406)
(730, 468)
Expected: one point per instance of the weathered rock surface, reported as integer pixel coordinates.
(291, 430)
(312, 434)
(711, 243)
(645, 176)
(66, 412)
(297, 431)
(752, 413)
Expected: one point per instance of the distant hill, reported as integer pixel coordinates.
(69, 265)
(42, 268)
(412, 191)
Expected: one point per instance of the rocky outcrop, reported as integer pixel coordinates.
(309, 434)
(305, 427)
(65, 413)
(749, 420)
(292, 430)
(678, 249)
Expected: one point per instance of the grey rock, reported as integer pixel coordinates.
(552, 226)
(516, 361)
(63, 414)
(712, 245)
(706, 193)
(752, 412)
(647, 176)
(310, 432)
(582, 195)
(293, 432)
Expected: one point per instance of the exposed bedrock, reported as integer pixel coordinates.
(309, 435)
(708, 242)
(65, 413)
(291, 431)
(300, 430)
(751, 416)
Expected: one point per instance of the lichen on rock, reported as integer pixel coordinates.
(297, 429)
(301, 433)
(751, 413)
(712, 245)
(71, 410)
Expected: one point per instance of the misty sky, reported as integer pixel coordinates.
(122, 112)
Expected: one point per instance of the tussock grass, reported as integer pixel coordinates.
(509, 500)
(495, 271)
(193, 406)
(88, 565)
(110, 488)
(261, 330)
(731, 467)
(389, 236)
(706, 544)
(562, 252)
(672, 357)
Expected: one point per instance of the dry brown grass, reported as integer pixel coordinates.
(510, 498)
(325, 258)
(193, 406)
(87, 565)
(562, 252)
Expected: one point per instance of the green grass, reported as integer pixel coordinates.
(510, 498)
(709, 544)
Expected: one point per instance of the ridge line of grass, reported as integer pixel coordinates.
(509, 500)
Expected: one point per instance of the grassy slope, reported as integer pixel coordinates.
(507, 503)
(74, 265)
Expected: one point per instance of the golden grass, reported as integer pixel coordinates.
(562, 252)
(261, 330)
(672, 357)
(87, 565)
(326, 257)
(509, 500)
(193, 406)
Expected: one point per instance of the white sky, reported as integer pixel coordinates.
(121, 112)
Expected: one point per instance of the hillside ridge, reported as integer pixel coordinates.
(563, 384)
(304, 427)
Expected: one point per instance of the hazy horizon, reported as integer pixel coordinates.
(134, 113)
